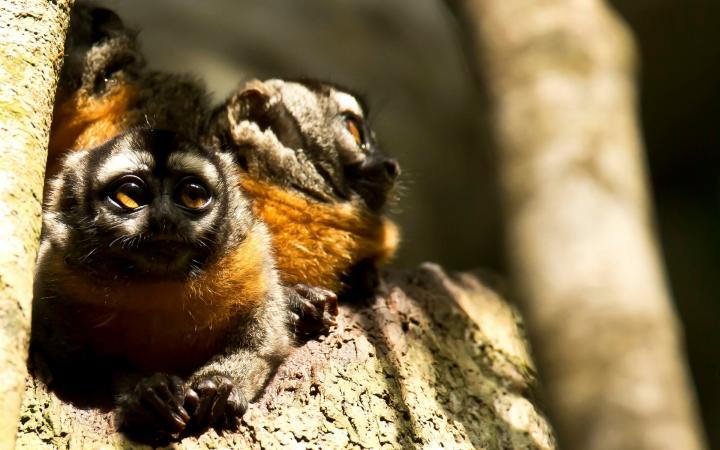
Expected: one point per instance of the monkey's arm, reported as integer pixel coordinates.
(161, 407)
(220, 390)
(216, 394)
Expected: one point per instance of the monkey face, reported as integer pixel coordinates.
(333, 122)
(146, 204)
(328, 123)
(366, 169)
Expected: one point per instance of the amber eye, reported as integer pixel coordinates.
(354, 127)
(129, 194)
(191, 194)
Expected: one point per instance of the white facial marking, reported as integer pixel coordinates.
(123, 163)
(301, 102)
(205, 222)
(195, 164)
(347, 102)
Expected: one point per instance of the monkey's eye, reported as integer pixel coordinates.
(192, 195)
(354, 126)
(129, 193)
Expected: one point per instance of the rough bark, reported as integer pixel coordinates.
(436, 361)
(581, 242)
(32, 34)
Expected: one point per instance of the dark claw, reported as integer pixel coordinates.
(154, 409)
(312, 310)
(215, 402)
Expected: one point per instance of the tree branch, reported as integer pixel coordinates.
(438, 360)
(32, 35)
(581, 241)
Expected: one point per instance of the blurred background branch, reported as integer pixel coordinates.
(561, 77)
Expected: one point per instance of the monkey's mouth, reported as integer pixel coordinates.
(374, 180)
(163, 259)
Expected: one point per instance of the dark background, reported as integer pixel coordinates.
(427, 109)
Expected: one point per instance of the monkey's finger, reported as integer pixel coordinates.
(167, 413)
(293, 318)
(316, 295)
(170, 391)
(151, 406)
(217, 411)
(302, 289)
(192, 400)
(315, 300)
(177, 387)
(207, 390)
(164, 393)
(300, 303)
(307, 309)
(235, 407)
(332, 305)
(329, 321)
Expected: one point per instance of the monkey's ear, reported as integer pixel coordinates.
(252, 102)
(90, 25)
(104, 23)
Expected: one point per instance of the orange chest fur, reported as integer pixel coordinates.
(168, 326)
(316, 243)
(173, 331)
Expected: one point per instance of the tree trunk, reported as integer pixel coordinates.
(561, 77)
(32, 35)
(435, 361)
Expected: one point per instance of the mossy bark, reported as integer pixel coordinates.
(434, 361)
(32, 35)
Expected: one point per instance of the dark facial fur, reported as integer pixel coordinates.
(162, 237)
(323, 142)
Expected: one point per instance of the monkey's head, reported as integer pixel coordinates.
(145, 205)
(106, 88)
(325, 122)
(100, 52)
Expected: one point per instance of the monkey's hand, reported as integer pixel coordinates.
(311, 310)
(154, 410)
(214, 401)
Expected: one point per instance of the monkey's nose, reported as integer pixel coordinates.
(392, 169)
(161, 226)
